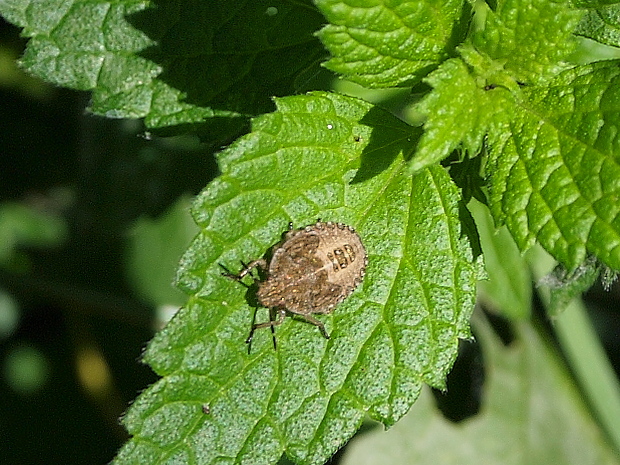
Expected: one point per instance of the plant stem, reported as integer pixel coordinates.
(591, 366)
(587, 358)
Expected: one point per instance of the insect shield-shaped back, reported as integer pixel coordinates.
(311, 271)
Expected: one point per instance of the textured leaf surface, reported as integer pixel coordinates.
(388, 43)
(532, 413)
(460, 111)
(471, 94)
(529, 37)
(173, 63)
(555, 176)
(553, 171)
(601, 24)
(399, 329)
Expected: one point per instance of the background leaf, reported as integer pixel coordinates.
(27, 226)
(532, 413)
(508, 289)
(387, 43)
(554, 176)
(155, 247)
(175, 64)
(399, 330)
(565, 286)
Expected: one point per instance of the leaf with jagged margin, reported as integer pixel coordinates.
(472, 94)
(532, 413)
(530, 38)
(460, 111)
(398, 330)
(173, 63)
(385, 44)
(554, 177)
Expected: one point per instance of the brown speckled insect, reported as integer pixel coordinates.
(311, 270)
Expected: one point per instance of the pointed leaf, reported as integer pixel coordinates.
(460, 110)
(173, 63)
(399, 329)
(387, 43)
(471, 94)
(555, 175)
(532, 413)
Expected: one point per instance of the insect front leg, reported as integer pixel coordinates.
(247, 269)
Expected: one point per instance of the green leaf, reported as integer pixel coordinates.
(461, 109)
(474, 94)
(155, 247)
(22, 225)
(593, 3)
(508, 289)
(532, 413)
(554, 177)
(601, 24)
(549, 123)
(399, 329)
(388, 43)
(174, 63)
(529, 37)
(581, 346)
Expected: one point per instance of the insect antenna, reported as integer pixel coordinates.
(230, 275)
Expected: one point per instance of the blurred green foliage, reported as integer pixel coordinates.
(77, 191)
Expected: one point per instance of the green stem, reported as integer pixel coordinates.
(586, 357)
(591, 366)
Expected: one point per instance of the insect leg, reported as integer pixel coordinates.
(268, 324)
(272, 317)
(315, 322)
(247, 269)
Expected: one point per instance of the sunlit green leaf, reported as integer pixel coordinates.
(555, 176)
(398, 330)
(601, 24)
(531, 413)
(173, 63)
(391, 43)
(525, 36)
